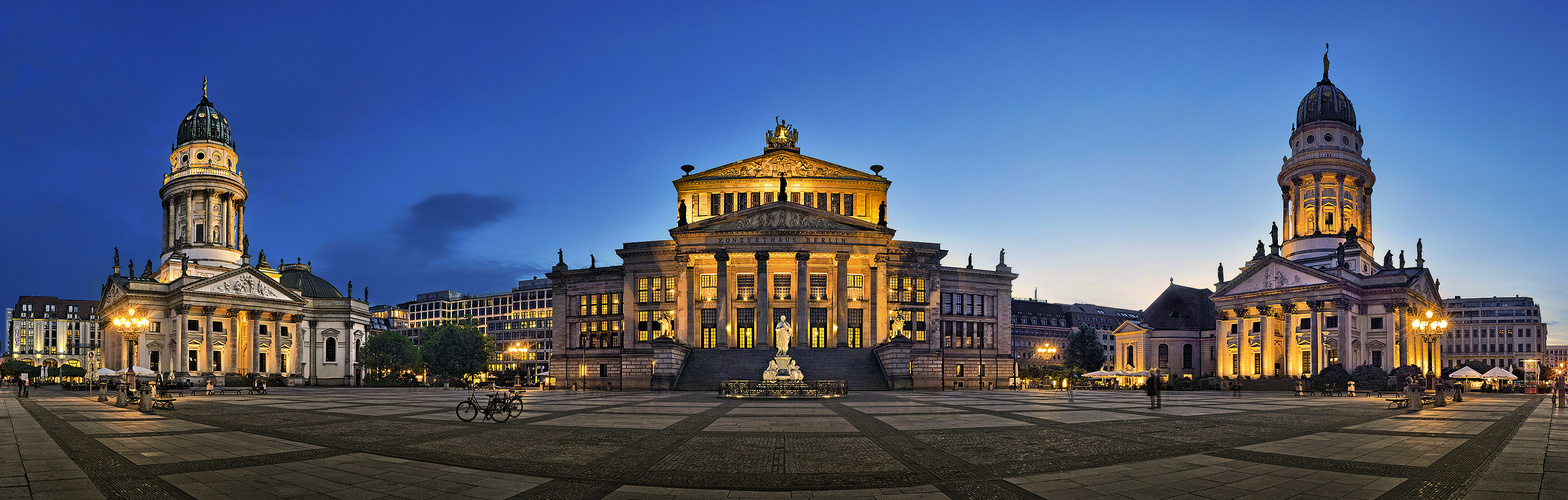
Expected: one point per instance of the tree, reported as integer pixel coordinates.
(1403, 374)
(13, 368)
(454, 350)
(1369, 378)
(1331, 377)
(69, 371)
(388, 353)
(1084, 350)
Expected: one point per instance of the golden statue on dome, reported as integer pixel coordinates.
(783, 136)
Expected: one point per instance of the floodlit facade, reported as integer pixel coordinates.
(204, 311)
(782, 237)
(1498, 331)
(48, 331)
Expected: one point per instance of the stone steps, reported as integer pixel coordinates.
(705, 369)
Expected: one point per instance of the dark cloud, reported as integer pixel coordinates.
(419, 252)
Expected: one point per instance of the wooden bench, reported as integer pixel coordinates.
(258, 390)
(1403, 402)
(165, 402)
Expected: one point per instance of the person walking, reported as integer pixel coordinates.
(1152, 388)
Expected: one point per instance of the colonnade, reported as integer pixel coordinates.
(1306, 211)
(221, 214)
(1280, 343)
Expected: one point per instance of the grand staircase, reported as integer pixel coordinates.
(706, 368)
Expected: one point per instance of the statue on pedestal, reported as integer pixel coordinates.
(783, 333)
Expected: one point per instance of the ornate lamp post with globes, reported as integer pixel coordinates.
(130, 328)
(1430, 329)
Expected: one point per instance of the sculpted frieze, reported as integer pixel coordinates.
(245, 285)
(779, 219)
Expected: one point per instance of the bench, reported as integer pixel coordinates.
(165, 402)
(1404, 402)
(258, 390)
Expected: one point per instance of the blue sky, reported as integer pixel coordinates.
(417, 147)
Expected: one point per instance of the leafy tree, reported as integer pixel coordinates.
(455, 350)
(1369, 378)
(1404, 373)
(1084, 350)
(69, 371)
(1331, 377)
(387, 353)
(13, 367)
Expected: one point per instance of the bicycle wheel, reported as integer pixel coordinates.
(467, 411)
(500, 411)
(516, 405)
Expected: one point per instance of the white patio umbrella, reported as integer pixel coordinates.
(104, 371)
(1466, 372)
(1499, 373)
(1100, 374)
(1137, 374)
(142, 371)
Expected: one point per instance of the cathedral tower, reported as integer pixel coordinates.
(203, 196)
(1325, 184)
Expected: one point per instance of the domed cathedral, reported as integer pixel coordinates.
(1321, 298)
(204, 311)
(782, 242)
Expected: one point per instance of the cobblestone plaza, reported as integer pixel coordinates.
(371, 443)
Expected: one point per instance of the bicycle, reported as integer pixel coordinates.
(515, 402)
(495, 409)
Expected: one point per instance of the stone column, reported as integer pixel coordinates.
(1366, 215)
(1266, 345)
(183, 353)
(313, 346)
(802, 317)
(1293, 357)
(168, 220)
(294, 349)
(764, 315)
(231, 344)
(1342, 311)
(841, 299)
(1244, 344)
(1399, 338)
(208, 214)
(1317, 202)
(1284, 195)
(240, 236)
(874, 320)
(190, 214)
(689, 303)
(1317, 336)
(722, 257)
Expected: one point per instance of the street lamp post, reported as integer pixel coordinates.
(130, 326)
(1430, 329)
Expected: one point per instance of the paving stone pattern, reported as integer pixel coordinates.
(403, 443)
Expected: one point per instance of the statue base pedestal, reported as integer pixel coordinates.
(782, 369)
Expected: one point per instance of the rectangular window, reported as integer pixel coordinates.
(756, 199)
(810, 199)
(819, 286)
(794, 197)
(190, 362)
(604, 370)
(781, 286)
(709, 284)
(833, 203)
(855, 322)
(920, 326)
(1377, 323)
(710, 328)
(767, 197)
(264, 330)
(1257, 363)
(715, 204)
(958, 370)
(740, 201)
(822, 201)
(857, 287)
(849, 204)
(947, 303)
(644, 326)
(746, 286)
(1257, 326)
(819, 327)
(193, 325)
(1331, 322)
(217, 361)
(261, 362)
(217, 327)
(729, 202)
(920, 290)
(1235, 363)
(1306, 324)
(746, 328)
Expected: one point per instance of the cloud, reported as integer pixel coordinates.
(420, 252)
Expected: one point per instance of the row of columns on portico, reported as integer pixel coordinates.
(242, 331)
(1276, 317)
(767, 316)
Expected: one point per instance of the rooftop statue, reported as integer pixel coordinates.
(783, 135)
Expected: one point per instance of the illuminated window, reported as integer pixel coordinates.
(822, 201)
(644, 325)
(855, 322)
(729, 202)
(740, 201)
(767, 197)
(709, 284)
(833, 203)
(756, 199)
(819, 286)
(715, 204)
(850, 208)
(746, 286)
(781, 286)
(857, 287)
(819, 327)
(710, 328)
(745, 328)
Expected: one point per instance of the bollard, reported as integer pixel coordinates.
(103, 394)
(120, 397)
(1415, 399)
(146, 400)
(1438, 400)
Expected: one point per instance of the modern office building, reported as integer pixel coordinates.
(48, 331)
(1040, 331)
(1498, 331)
(518, 321)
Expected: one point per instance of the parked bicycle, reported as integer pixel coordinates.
(515, 402)
(495, 409)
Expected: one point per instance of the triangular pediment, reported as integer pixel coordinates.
(781, 216)
(1274, 273)
(113, 291)
(245, 282)
(1129, 327)
(776, 163)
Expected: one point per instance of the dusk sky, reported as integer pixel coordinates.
(1109, 147)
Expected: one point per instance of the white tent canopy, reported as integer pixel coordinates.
(1466, 372)
(1100, 374)
(1499, 373)
(1136, 374)
(104, 371)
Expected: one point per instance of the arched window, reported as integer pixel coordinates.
(1165, 356)
(1186, 357)
(1129, 356)
(332, 350)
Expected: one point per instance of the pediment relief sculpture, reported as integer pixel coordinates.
(245, 285)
